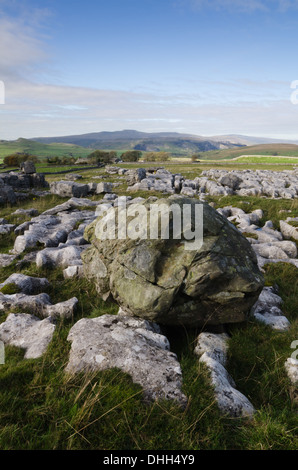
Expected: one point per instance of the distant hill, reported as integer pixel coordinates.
(40, 149)
(216, 148)
(173, 142)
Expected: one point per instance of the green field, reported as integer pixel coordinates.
(41, 150)
(273, 150)
(271, 153)
(266, 159)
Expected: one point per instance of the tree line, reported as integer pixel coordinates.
(95, 157)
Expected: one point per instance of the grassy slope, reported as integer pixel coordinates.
(263, 149)
(61, 150)
(42, 408)
(41, 150)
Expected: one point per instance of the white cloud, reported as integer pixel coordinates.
(46, 110)
(18, 48)
(23, 47)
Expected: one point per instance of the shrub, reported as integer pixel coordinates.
(16, 159)
(157, 157)
(101, 156)
(131, 156)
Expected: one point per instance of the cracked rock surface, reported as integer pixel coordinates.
(133, 345)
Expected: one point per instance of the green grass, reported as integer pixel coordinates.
(289, 150)
(43, 168)
(41, 150)
(267, 159)
(41, 407)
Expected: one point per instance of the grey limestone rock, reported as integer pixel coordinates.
(27, 332)
(288, 230)
(68, 255)
(214, 345)
(6, 260)
(28, 167)
(212, 350)
(102, 188)
(159, 280)
(39, 304)
(267, 310)
(133, 345)
(69, 189)
(27, 284)
(230, 401)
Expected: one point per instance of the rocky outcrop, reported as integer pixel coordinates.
(135, 346)
(135, 176)
(255, 183)
(217, 182)
(39, 304)
(15, 186)
(78, 190)
(162, 181)
(161, 281)
(50, 230)
(270, 245)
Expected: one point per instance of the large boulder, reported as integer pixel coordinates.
(170, 282)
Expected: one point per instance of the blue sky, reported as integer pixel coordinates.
(192, 66)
